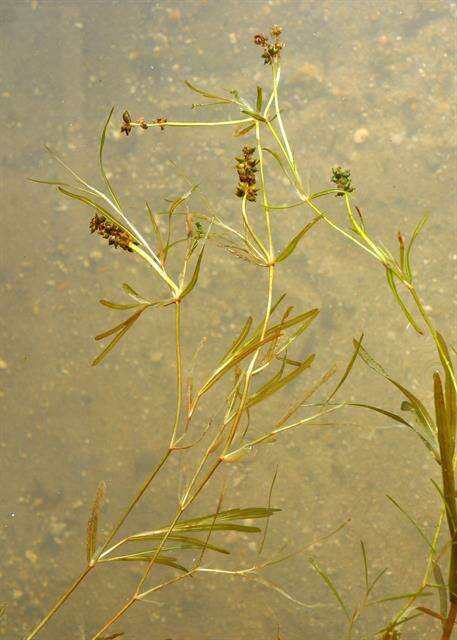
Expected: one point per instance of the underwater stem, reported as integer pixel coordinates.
(60, 602)
(178, 371)
(450, 622)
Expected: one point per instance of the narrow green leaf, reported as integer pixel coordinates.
(442, 590)
(403, 596)
(239, 340)
(403, 307)
(413, 522)
(54, 183)
(254, 114)
(130, 291)
(450, 391)
(156, 229)
(290, 248)
(115, 305)
(110, 346)
(348, 369)
(235, 359)
(100, 156)
(420, 410)
(421, 224)
(259, 100)
(147, 556)
(206, 94)
(193, 281)
(328, 581)
(275, 384)
(99, 208)
(92, 523)
(244, 130)
(365, 564)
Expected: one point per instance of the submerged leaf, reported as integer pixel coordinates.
(290, 248)
(193, 281)
(100, 156)
(92, 523)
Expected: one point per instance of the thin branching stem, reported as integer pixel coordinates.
(178, 372)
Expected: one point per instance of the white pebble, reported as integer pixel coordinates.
(361, 135)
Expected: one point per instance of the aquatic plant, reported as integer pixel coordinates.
(258, 361)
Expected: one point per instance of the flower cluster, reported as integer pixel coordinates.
(342, 179)
(115, 235)
(127, 126)
(246, 168)
(127, 123)
(271, 48)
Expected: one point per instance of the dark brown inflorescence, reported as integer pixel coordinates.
(161, 122)
(115, 235)
(271, 48)
(127, 126)
(127, 123)
(246, 167)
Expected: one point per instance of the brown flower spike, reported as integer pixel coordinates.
(246, 167)
(271, 48)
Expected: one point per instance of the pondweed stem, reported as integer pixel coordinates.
(60, 602)
(193, 124)
(156, 266)
(178, 372)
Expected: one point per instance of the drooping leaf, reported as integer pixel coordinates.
(118, 306)
(120, 330)
(242, 131)
(329, 582)
(425, 420)
(278, 382)
(130, 291)
(207, 94)
(253, 114)
(412, 520)
(348, 369)
(409, 316)
(421, 224)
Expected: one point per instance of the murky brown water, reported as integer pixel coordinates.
(368, 85)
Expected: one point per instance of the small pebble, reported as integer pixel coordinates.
(360, 135)
(3, 364)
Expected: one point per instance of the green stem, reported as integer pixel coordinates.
(178, 372)
(156, 266)
(60, 602)
(193, 124)
(276, 74)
